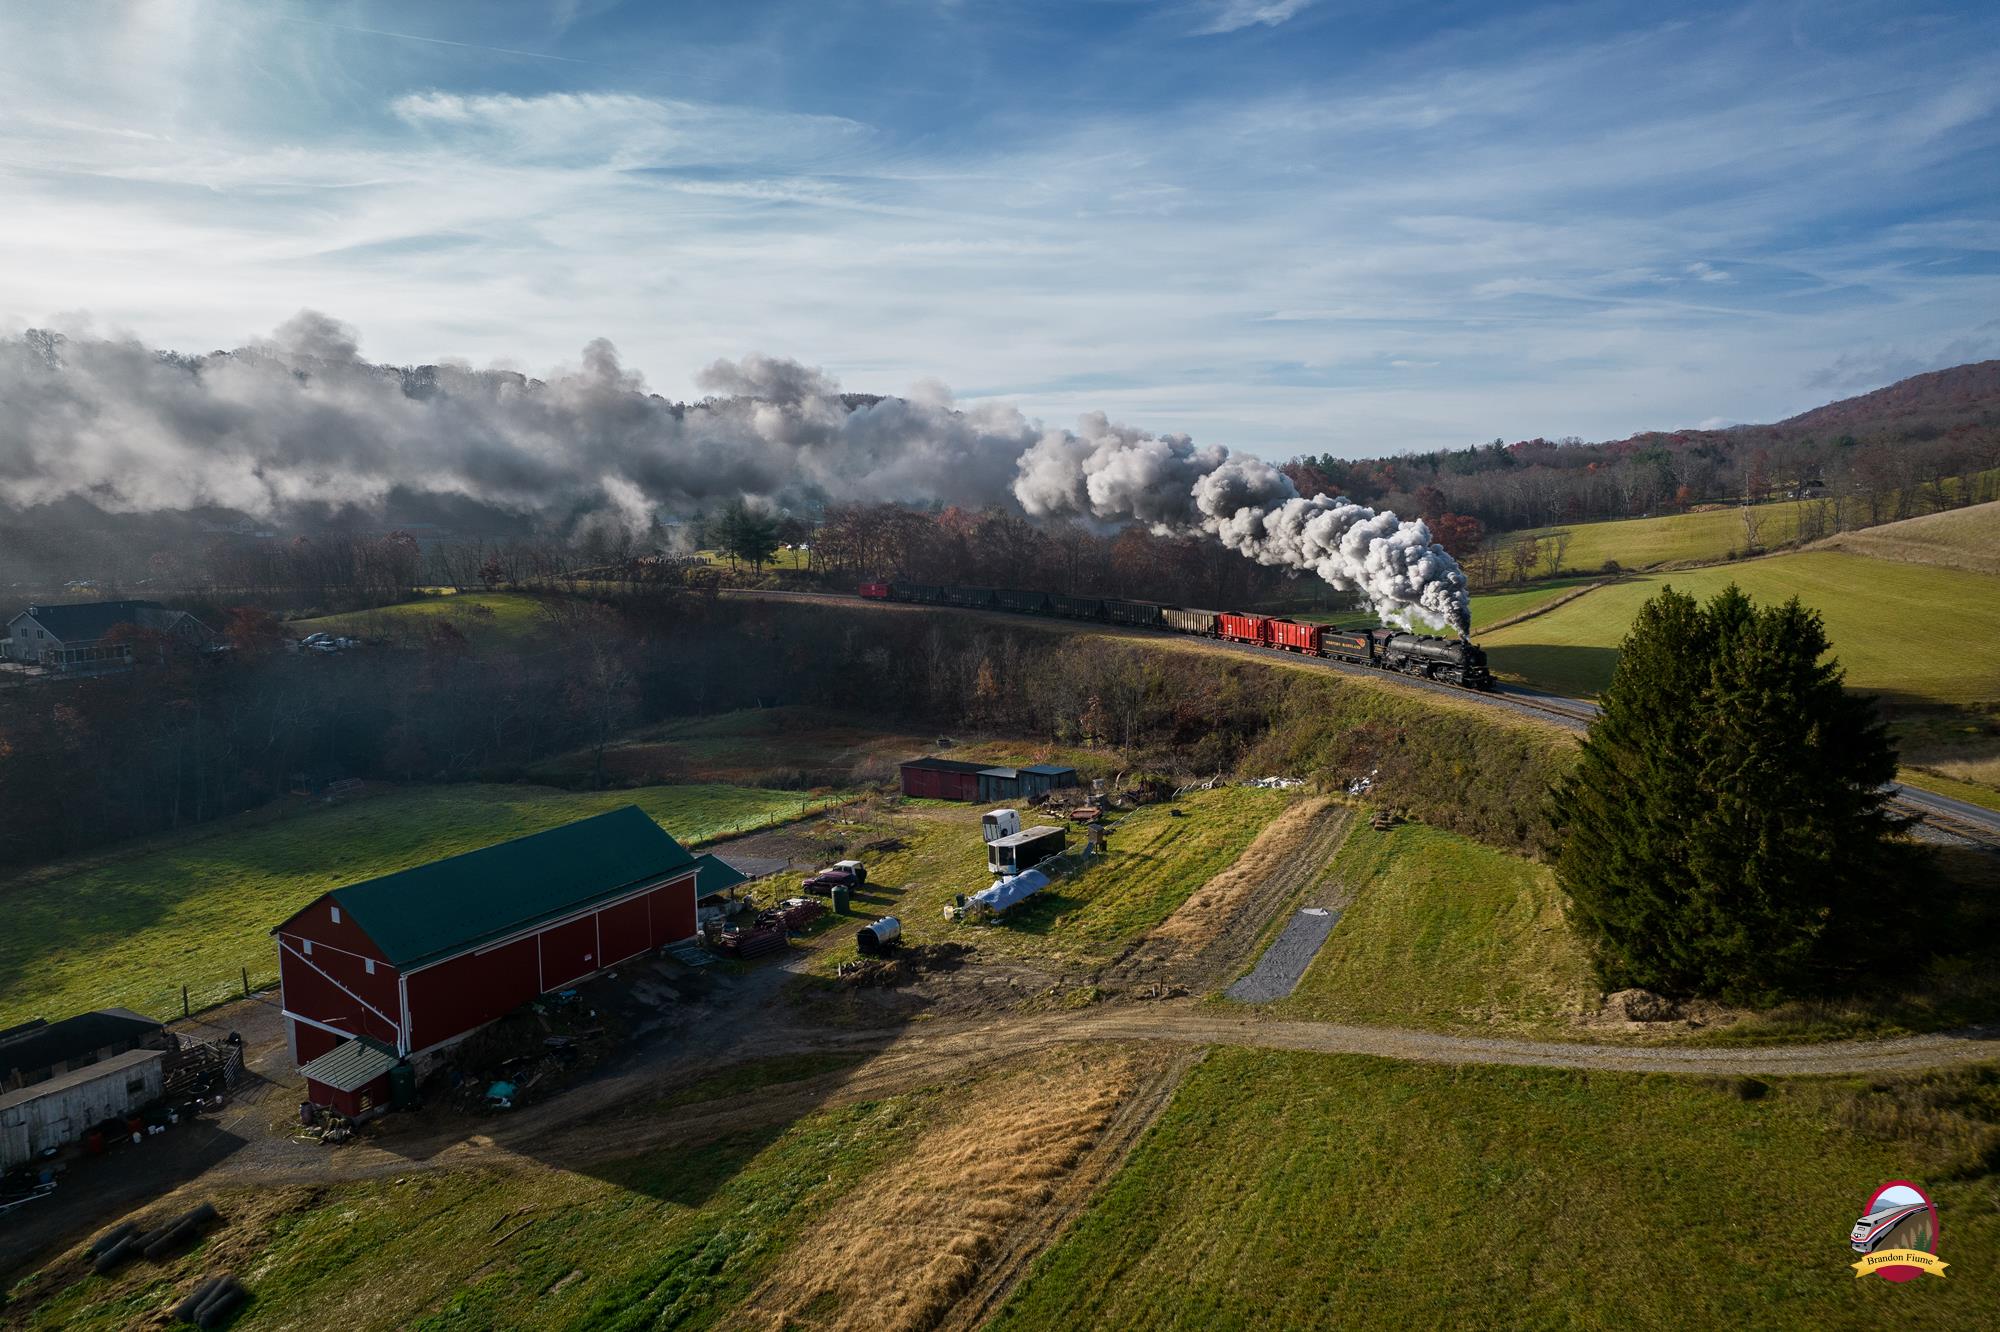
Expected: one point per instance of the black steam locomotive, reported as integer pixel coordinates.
(1455, 661)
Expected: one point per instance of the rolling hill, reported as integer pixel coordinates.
(1914, 633)
(1955, 539)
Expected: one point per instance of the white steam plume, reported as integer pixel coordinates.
(300, 418)
(1114, 474)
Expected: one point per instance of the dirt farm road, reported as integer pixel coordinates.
(598, 1118)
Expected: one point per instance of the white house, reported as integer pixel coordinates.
(73, 636)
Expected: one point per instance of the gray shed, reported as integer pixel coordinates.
(1038, 779)
(63, 1108)
(999, 784)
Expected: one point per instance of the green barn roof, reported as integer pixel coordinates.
(419, 915)
(713, 875)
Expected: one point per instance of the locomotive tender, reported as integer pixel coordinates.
(1456, 661)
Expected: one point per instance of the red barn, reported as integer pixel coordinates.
(934, 778)
(413, 960)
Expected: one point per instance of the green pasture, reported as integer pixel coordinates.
(1321, 1191)
(130, 930)
(1444, 932)
(488, 618)
(1913, 633)
(670, 1238)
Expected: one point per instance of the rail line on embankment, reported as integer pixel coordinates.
(1949, 819)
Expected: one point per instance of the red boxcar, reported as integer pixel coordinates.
(1242, 628)
(879, 591)
(1293, 636)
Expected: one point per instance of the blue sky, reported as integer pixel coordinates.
(1285, 225)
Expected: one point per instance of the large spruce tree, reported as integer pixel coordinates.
(1724, 832)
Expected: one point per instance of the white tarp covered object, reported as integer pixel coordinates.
(1008, 892)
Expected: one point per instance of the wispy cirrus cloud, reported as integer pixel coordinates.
(1220, 16)
(1471, 234)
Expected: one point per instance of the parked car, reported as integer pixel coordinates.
(849, 874)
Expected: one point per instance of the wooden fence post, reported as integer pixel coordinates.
(246, 982)
(184, 1001)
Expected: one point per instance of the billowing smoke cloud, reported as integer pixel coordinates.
(301, 418)
(1114, 474)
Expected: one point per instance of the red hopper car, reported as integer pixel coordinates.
(1242, 628)
(1292, 636)
(878, 591)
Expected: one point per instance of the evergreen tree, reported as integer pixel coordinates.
(1724, 832)
(746, 534)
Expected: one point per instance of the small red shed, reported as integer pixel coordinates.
(352, 1077)
(414, 960)
(933, 778)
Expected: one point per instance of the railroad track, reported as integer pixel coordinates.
(1953, 821)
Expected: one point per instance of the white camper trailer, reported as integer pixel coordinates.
(995, 824)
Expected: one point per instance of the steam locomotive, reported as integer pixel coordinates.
(1455, 661)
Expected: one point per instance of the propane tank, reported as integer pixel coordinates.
(878, 936)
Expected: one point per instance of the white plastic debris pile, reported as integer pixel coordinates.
(1277, 783)
(1360, 784)
(1011, 891)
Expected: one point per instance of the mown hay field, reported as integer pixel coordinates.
(1966, 538)
(131, 929)
(767, 1220)
(1913, 633)
(1322, 1191)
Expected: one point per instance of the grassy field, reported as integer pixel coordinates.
(1312, 1191)
(1487, 607)
(1914, 633)
(1700, 538)
(1674, 538)
(789, 746)
(1444, 932)
(1155, 860)
(483, 617)
(1958, 539)
(132, 929)
(674, 1238)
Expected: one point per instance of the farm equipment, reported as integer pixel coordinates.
(793, 914)
(753, 942)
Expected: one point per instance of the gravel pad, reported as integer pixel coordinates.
(1277, 972)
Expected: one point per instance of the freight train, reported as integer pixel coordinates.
(1455, 661)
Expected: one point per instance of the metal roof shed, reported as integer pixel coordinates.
(934, 778)
(56, 1111)
(1038, 779)
(999, 784)
(352, 1077)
